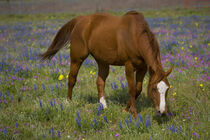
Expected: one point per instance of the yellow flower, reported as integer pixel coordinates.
(203, 89)
(182, 48)
(92, 73)
(201, 85)
(191, 138)
(60, 77)
(174, 94)
(171, 86)
(190, 46)
(196, 58)
(67, 76)
(208, 44)
(196, 24)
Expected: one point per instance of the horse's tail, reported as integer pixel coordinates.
(61, 39)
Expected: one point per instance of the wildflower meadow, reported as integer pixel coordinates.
(33, 93)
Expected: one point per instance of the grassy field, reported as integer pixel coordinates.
(32, 94)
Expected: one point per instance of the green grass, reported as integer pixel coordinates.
(186, 95)
(5, 18)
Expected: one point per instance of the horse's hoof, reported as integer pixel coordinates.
(67, 101)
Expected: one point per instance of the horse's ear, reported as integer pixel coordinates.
(167, 73)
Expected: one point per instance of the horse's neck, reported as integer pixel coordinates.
(156, 72)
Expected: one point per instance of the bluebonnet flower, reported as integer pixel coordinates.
(176, 130)
(59, 133)
(56, 86)
(105, 119)
(115, 85)
(180, 129)
(120, 125)
(61, 84)
(130, 119)
(99, 108)
(51, 88)
(51, 103)
(127, 123)
(40, 103)
(61, 107)
(91, 125)
(122, 85)
(78, 116)
(7, 93)
(5, 131)
(47, 112)
(51, 131)
(35, 87)
(148, 122)
(43, 86)
(126, 84)
(3, 96)
(95, 122)
(137, 124)
(16, 125)
(78, 122)
(167, 126)
(112, 86)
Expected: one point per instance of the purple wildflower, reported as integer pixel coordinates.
(130, 119)
(78, 122)
(127, 123)
(78, 116)
(61, 107)
(95, 121)
(51, 88)
(59, 133)
(35, 87)
(51, 103)
(117, 135)
(5, 131)
(43, 86)
(148, 122)
(40, 103)
(120, 124)
(105, 119)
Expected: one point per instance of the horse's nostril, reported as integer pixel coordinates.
(159, 113)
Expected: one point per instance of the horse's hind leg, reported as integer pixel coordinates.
(78, 54)
(103, 71)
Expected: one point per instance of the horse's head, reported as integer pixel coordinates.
(157, 91)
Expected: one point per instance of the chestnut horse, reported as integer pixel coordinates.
(121, 41)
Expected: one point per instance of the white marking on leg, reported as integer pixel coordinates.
(103, 102)
(162, 87)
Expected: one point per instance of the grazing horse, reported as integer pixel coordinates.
(121, 41)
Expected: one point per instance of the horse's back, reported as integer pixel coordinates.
(111, 39)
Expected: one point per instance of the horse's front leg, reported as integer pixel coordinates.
(103, 72)
(140, 73)
(129, 71)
